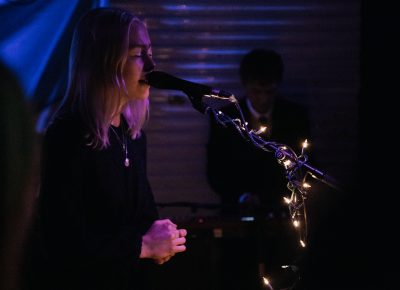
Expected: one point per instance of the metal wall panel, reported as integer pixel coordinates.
(203, 41)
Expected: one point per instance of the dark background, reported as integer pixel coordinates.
(352, 244)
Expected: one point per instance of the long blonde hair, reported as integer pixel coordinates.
(96, 86)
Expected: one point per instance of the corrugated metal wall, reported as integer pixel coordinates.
(203, 41)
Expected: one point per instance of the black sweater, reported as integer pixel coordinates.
(93, 210)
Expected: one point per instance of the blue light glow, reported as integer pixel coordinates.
(28, 50)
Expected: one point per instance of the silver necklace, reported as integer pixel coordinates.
(124, 144)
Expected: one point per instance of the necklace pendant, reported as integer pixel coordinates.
(126, 162)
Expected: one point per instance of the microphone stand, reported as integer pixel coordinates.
(296, 168)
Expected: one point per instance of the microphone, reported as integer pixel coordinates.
(163, 80)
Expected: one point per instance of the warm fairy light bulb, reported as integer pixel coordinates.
(306, 185)
(266, 282)
(296, 224)
(261, 130)
(287, 200)
(305, 144)
(303, 244)
(287, 163)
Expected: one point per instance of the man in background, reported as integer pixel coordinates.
(249, 180)
(236, 169)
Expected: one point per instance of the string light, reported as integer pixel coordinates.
(295, 172)
(266, 283)
(261, 130)
(304, 146)
(287, 163)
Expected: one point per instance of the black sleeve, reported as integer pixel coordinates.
(67, 234)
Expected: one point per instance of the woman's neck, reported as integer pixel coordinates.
(116, 120)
